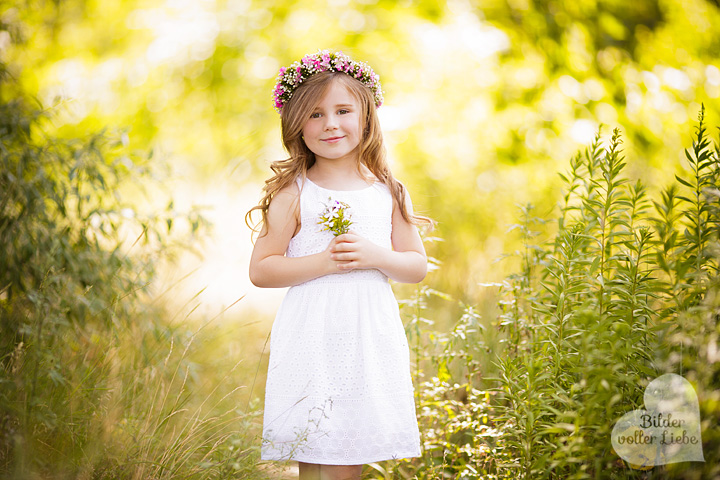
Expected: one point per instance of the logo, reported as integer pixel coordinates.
(667, 431)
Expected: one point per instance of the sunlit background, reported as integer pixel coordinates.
(485, 102)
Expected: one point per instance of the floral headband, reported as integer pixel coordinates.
(291, 77)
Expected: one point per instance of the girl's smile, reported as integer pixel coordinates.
(332, 130)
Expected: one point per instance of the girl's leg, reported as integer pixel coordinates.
(340, 472)
(311, 471)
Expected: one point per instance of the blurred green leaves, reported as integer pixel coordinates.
(485, 100)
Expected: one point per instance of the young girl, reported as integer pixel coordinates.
(339, 392)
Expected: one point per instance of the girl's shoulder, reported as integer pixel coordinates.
(290, 190)
(286, 198)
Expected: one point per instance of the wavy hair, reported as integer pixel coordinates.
(371, 150)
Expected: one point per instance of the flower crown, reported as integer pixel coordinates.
(291, 77)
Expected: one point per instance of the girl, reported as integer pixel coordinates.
(339, 392)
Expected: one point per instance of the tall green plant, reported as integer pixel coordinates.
(612, 279)
(624, 291)
(699, 231)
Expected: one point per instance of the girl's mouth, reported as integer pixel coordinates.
(332, 139)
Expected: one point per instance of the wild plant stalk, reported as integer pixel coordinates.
(517, 315)
(703, 166)
(532, 255)
(671, 266)
(607, 213)
(694, 260)
(567, 278)
(641, 246)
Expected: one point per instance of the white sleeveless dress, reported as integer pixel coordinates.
(339, 390)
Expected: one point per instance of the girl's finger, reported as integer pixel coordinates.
(338, 248)
(347, 237)
(346, 256)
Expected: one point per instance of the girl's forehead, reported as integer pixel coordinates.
(338, 90)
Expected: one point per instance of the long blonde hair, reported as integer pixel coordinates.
(293, 117)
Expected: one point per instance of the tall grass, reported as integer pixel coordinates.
(99, 378)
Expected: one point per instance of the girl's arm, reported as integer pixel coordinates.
(405, 263)
(269, 267)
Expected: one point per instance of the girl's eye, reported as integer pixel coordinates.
(343, 111)
(315, 115)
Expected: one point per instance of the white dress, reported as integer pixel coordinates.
(338, 387)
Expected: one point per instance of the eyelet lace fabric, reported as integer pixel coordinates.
(338, 387)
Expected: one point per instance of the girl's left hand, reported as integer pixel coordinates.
(354, 251)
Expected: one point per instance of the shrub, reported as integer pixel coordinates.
(626, 289)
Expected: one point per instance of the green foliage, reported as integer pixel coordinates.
(94, 379)
(457, 422)
(624, 290)
(614, 280)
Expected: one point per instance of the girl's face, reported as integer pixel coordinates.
(332, 131)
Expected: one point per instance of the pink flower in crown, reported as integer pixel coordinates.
(326, 61)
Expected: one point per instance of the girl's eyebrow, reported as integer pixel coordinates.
(339, 105)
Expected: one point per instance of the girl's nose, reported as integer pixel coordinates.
(331, 122)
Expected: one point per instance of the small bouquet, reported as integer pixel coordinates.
(335, 217)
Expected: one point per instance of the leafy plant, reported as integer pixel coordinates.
(624, 290)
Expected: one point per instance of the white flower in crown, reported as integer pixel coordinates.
(335, 217)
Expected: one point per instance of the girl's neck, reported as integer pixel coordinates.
(341, 175)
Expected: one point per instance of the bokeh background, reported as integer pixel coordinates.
(485, 103)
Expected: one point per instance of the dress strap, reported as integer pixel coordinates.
(300, 182)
